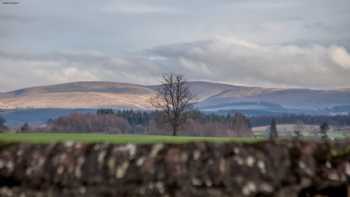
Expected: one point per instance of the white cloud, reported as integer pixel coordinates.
(340, 56)
(73, 74)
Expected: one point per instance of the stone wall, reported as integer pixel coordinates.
(280, 169)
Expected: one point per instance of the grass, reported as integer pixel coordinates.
(44, 138)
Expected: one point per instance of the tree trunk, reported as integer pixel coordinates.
(174, 130)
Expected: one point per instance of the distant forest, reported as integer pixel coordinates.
(152, 122)
(142, 118)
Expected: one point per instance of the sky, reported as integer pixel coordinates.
(270, 43)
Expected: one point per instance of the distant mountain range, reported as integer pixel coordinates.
(209, 97)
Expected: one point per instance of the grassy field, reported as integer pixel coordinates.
(42, 138)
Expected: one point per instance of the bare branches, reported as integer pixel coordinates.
(174, 98)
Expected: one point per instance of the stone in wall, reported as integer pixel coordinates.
(277, 169)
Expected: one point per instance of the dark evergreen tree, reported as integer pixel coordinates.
(324, 127)
(2, 124)
(273, 134)
(25, 127)
(104, 111)
(2, 121)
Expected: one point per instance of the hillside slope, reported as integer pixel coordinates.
(80, 95)
(208, 95)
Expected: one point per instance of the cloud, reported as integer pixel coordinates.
(22, 68)
(340, 56)
(126, 25)
(136, 8)
(73, 74)
(272, 43)
(233, 60)
(225, 59)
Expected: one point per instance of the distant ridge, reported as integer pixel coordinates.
(209, 95)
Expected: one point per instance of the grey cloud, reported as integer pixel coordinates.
(279, 41)
(60, 67)
(239, 61)
(225, 59)
(123, 25)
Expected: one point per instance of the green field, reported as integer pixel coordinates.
(43, 138)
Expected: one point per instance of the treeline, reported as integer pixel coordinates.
(140, 122)
(197, 123)
(153, 122)
(88, 122)
(143, 118)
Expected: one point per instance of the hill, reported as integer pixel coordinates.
(209, 96)
(79, 95)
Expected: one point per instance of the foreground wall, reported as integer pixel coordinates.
(283, 169)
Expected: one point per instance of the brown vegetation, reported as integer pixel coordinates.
(78, 122)
(106, 121)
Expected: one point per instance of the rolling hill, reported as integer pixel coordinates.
(209, 96)
(79, 95)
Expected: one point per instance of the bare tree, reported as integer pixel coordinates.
(241, 125)
(174, 98)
